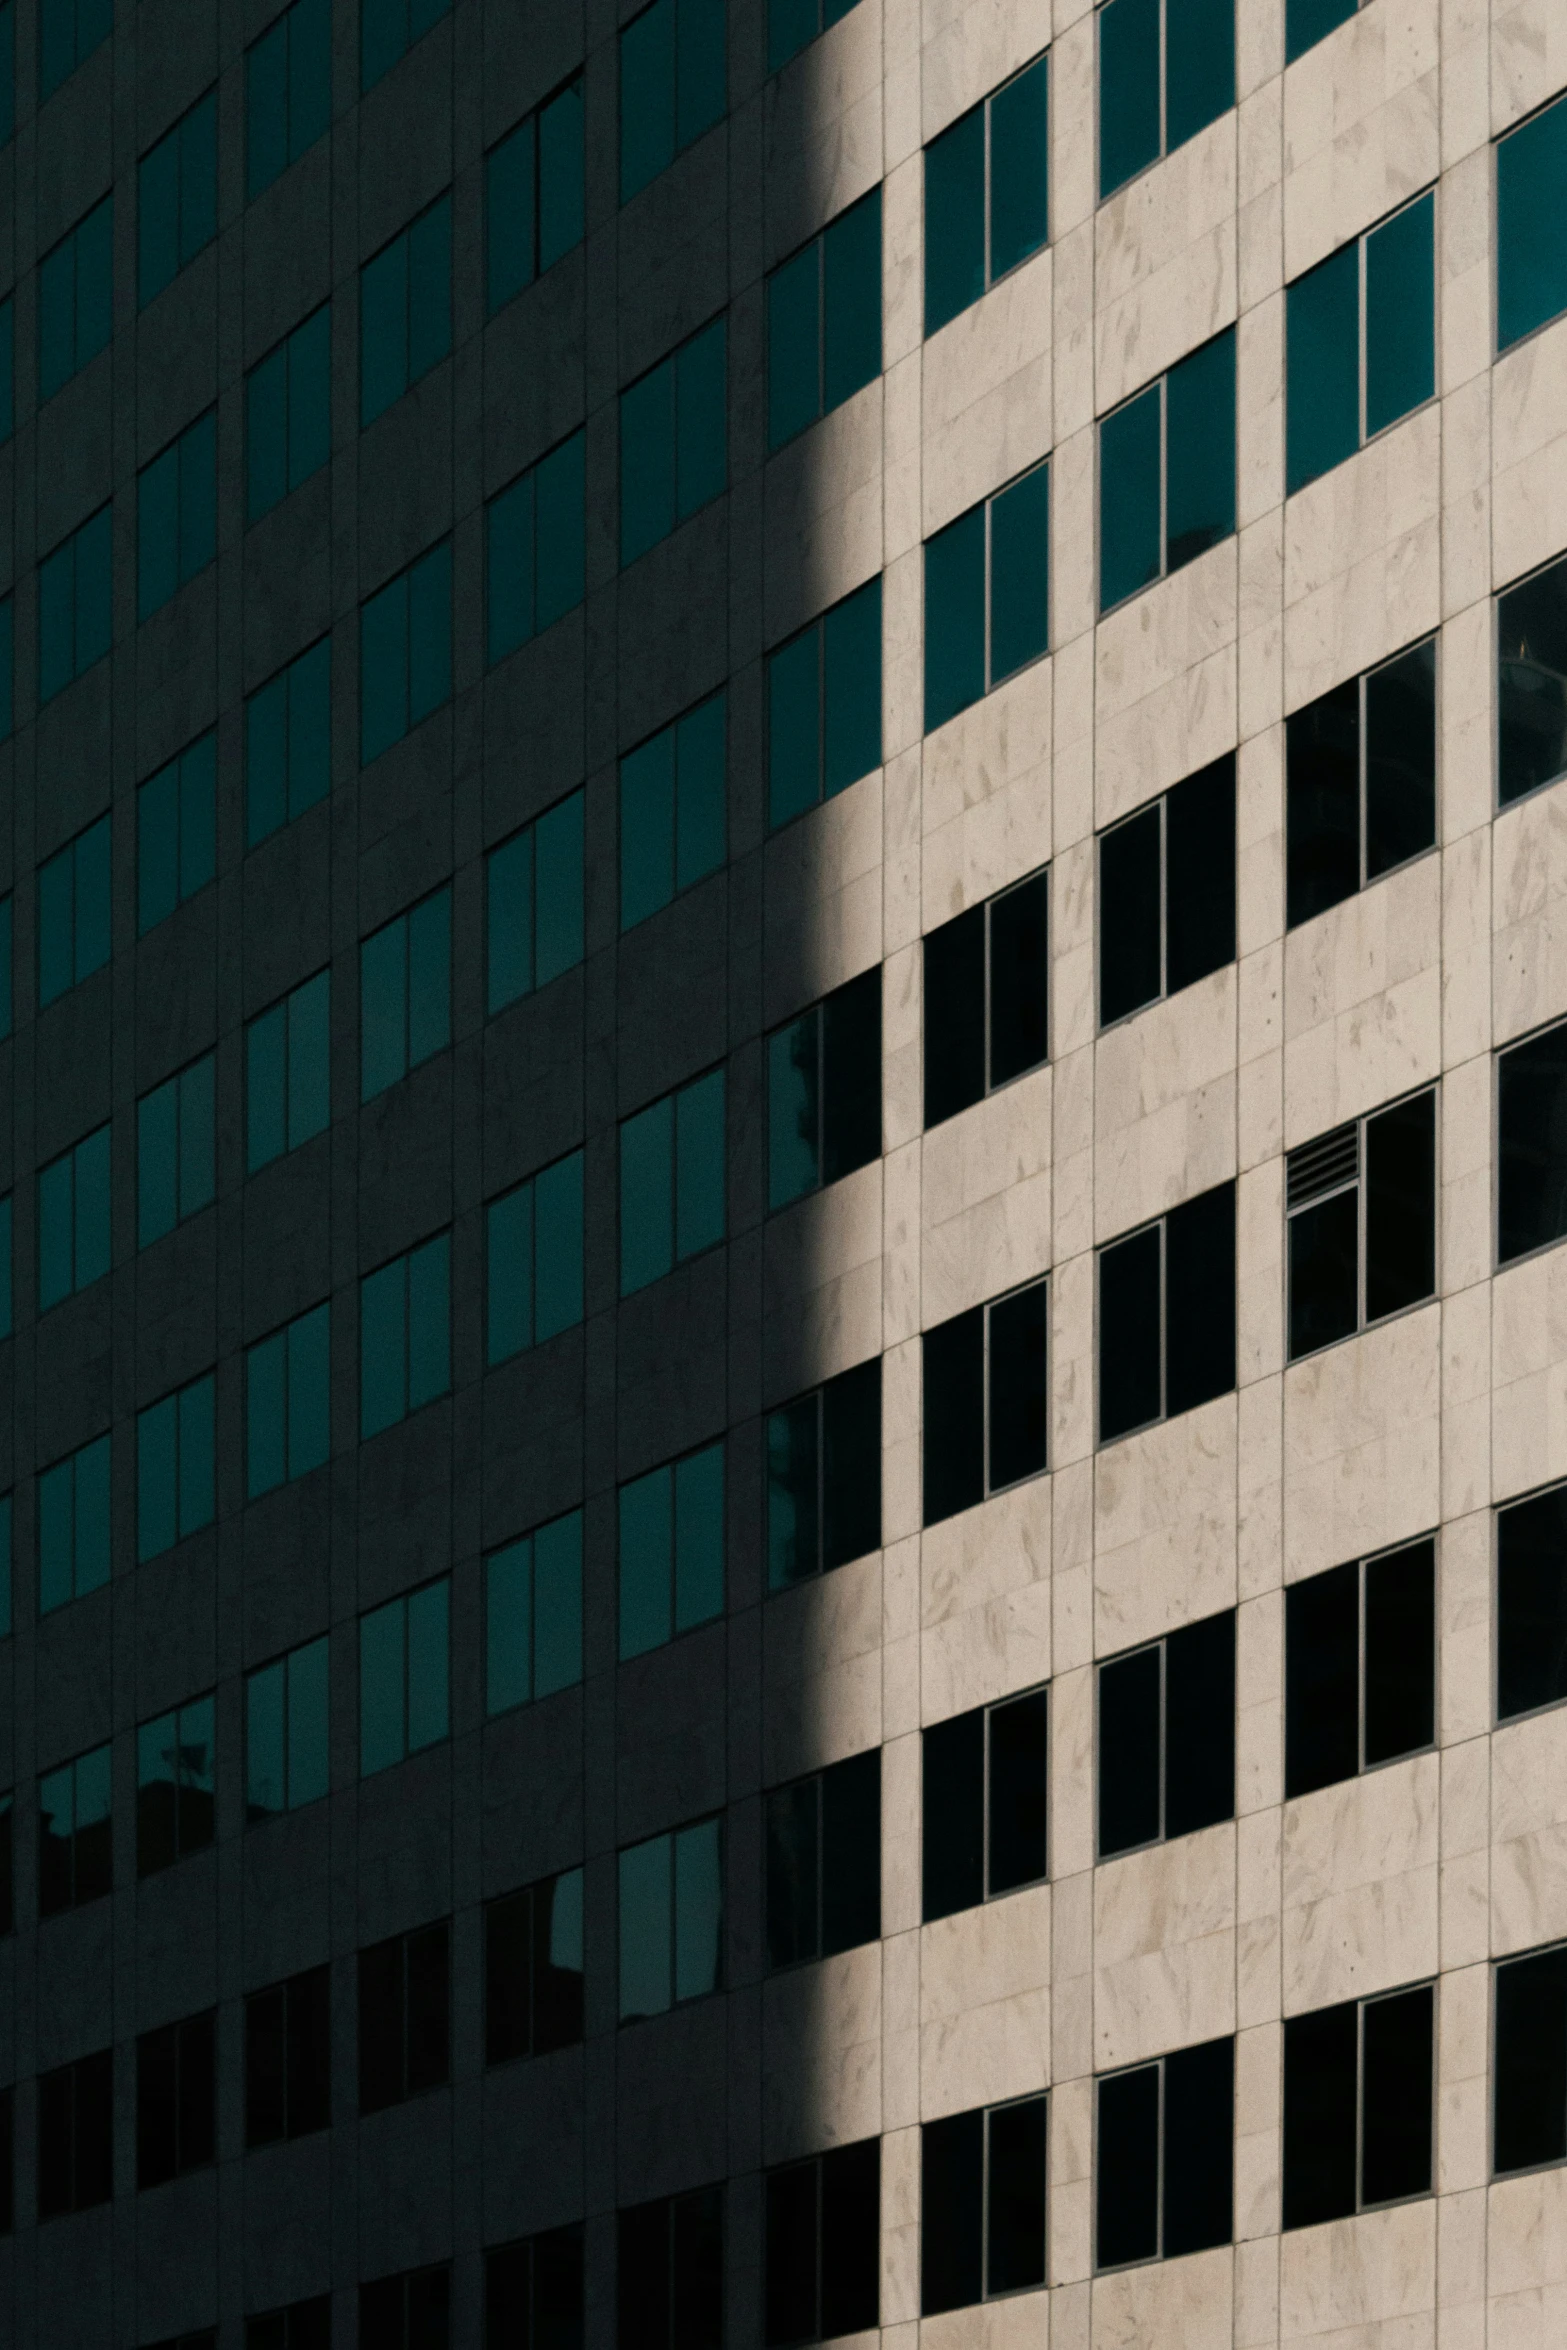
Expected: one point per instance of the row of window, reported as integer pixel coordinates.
(1358, 2133)
(1359, 1692)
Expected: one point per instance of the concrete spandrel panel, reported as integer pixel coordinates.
(821, 2054)
(1526, 2258)
(1190, 2302)
(669, 1735)
(1359, 1871)
(406, 2185)
(1528, 1403)
(985, 2003)
(1020, 2321)
(1529, 454)
(1361, 1444)
(1164, 1105)
(1164, 1948)
(1002, 1236)
(1528, 57)
(1164, 683)
(985, 1602)
(1164, 263)
(672, 2117)
(526, 2106)
(986, 795)
(815, 1246)
(1361, 127)
(1529, 1832)
(821, 1671)
(1164, 1527)
(1369, 2280)
(985, 387)
(1362, 558)
(1529, 912)
(1363, 1002)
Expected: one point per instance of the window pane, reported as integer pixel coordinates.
(794, 346)
(794, 727)
(646, 1929)
(309, 1421)
(509, 1236)
(1015, 2218)
(1019, 169)
(1019, 1777)
(1199, 66)
(1199, 1274)
(508, 216)
(509, 885)
(1129, 541)
(1322, 392)
(952, 2212)
(1400, 315)
(1199, 1725)
(851, 301)
(264, 1415)
(430, 633)
(1199, 2147)
(1127, 2211)
(954, 618)
(559, 909)
(954, 1372)
(793, 1507)
(508, 1630)
(264, 1783)
(1308, 21)
(1531, 195)
(383, 1337)
(557, 1212)
(1401, 759)
(954, 996)
(1129, 1384)
(429, 977)
(698, 1911)
(1531, 631)
(699, 1538)
(1128, 91)
(1531, 1605)
(851, 670)
(1200, 436)
(699, 816)
(560, 175)
(1321, 1680)
(646, 1562)
(559, 544)
(1020, 574)
(647, 455)
(1130, 1735)
(793, 1111)
(700, 1165)
(1322, 759)
(647, 1203)
(647, 829)
(1400, 1675)
(308, 1771)
(1400, 1185)
(647, 105)
(557, 1605)
(429, 1680)
(1531, 2061)
(1532, 1144)
(157, 1519)
(381, 1726)
(429, 1322)
(955, 219)
(1019, 1399)
(701, 443)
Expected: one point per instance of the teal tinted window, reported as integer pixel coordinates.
(824, 322)
(987, 605)
(75, 607)
(288, 1073)
(405, 652)
(405, 310)
(405, 993)
(673, 441)
(671, 1550)
(388, 29)
(1531, 203)
(986, 194)
(177, 198)
(533, 1615)
(533, 887)
(1360, 333)
(73, 1526)
(5, 965)
(288, 415)
(533, 196)
(6, 1617)
(1167, 472)
(287, 1403)
(73, 1220)
(671, 1920)
(533, 1241)
(673, 85)
(672, 1176)
(534, 549)
(175, 1151)
(405, 1335)
(7, 671)
(288, 743)
(288, 91)
(73, 912)
(404, 1677)
(76, 299)
(824, 705)
(68, 33)
(5, 1268)
(1306, 22)
(176, 832)
(174, 1473)
(286, 1712)
(176, 515)
(1147, 109)
(672, 827)
(793, 24)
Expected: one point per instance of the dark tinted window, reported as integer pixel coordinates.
(822, 2246)
(1359, 1667)
(1167, 1315)
(824, 1862)
(1357, 2106)
(987, 997)
(1167, 1737)
(1167, 893)
(1165, 2156)
(985, 1782)
(1531, 1604)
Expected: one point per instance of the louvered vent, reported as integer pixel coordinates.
(1323, 1166)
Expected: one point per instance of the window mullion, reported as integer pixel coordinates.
(1364, 326)
(1164, 1717)
(1164, 897)
(984, 1811)
(1360, 761)
(1360, 1666)
(1163, 1288)
(989, 506)
(1164, 77)
(1360, 2086)
(1362, 1231)
(984, 2202)
(1159, 2168)
(821, 325)
(1164, 450)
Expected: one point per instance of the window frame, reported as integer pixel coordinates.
(1165, 150)
(1161, 1641)
(1500, 807)
(1041, 2097)
(985, 1307)
(1366, 439)
(1360, 2002)
(986, 507)
(1161, 383)
(992, 280)
(1497, 143)
(1495, 1967)
(988, 1708)
(1499, 1510)
(1160, 1224)
(1364, 1324)
(991, 1084)
(1159, 2062)
(534, 115)
(1362, 1565)
(1161, 801)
